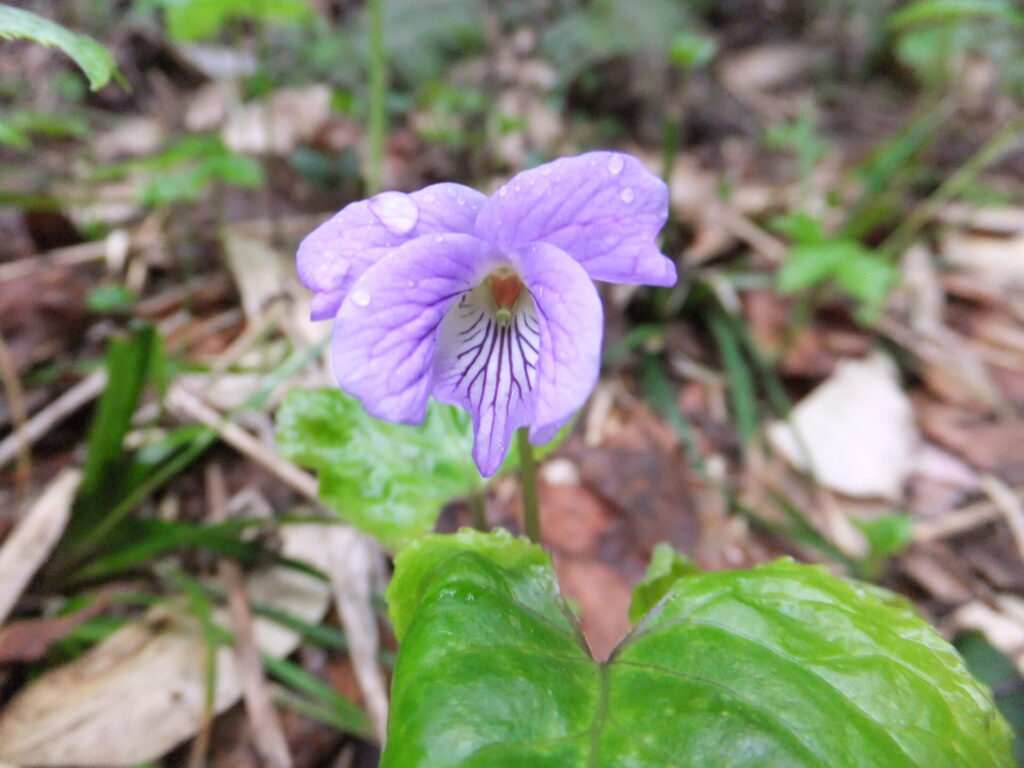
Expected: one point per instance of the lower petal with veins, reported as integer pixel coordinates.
(487, 363)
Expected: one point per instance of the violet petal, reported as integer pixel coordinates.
(385, 332)
(605, 209)
(335, 254)
(571, 326)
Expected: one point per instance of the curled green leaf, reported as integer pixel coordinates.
(93, 59)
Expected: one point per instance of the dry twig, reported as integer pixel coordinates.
(39, 424)
(268, 734)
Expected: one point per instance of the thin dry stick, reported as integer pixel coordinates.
(187, 406)
(1009, 504)
(956, 522)
(58, 257)
(268, 734)
(19, 415)
(85, 391)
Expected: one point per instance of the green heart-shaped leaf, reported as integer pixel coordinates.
(389, 480)
(781, 666)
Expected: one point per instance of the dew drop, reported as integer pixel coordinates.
(627, 195)
(460, 200)
(546, 169)
(503, 191)
(615, 165)
(360, 298)
(438, 238)
(396, 211)
(517, 187)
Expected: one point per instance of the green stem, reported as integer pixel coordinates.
(528, 478)
(376, 125)
(477, 505)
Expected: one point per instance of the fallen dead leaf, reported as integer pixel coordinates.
(278, 124)
(986, 444)
(354, 563)
(999, 260)
(28, 640)
(140, 692)
(34, 537)
(1002, 625)
(856, 430)
(638, 467)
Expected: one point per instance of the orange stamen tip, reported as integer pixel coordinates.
(505, 289)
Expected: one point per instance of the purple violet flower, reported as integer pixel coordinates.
(485, 303)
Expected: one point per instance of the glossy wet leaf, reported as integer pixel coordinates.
(783, 665)
(389, 480)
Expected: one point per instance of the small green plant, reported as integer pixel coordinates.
(816, 259)
(186, 170)
(935, 38)
(193, 20)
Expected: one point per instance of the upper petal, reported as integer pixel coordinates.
(571, 325)
(605, 209)
(335, 254)
(385, 332)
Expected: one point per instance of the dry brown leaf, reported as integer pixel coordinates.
(857, 428)
(29, 640)
(1002, 625)
(265, 275)
(278, 124)
(34, 537)
(987, 445)
(354, 563)
(140, 692)
(999, 260)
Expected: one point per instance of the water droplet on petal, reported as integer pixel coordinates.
(503, 191)
(438, 238)
(429, 197)
(627, 195)
(460, 200)
(546, 169)
(360, 298)
(517, 187)
(615, 165)
(396, 211)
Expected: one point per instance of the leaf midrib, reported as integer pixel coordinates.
(599, 716)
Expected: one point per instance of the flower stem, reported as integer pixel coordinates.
(528, 478)
(478, 506)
